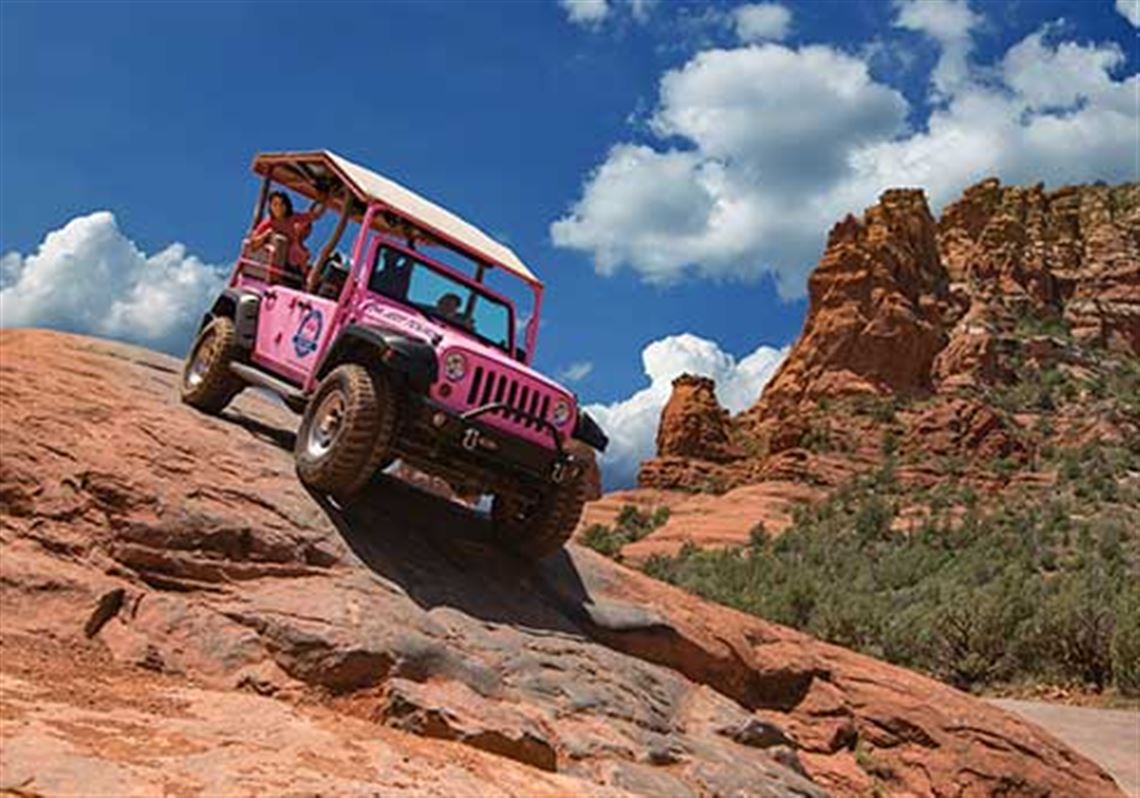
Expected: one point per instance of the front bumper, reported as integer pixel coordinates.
(462, 448)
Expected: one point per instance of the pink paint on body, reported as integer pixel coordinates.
(295, 329)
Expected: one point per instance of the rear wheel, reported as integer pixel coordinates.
(346, 431)
(207, 382)
(540, 528)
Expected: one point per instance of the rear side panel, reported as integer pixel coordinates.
(292, 331)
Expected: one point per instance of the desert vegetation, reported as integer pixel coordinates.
(631, 524)
(1033, 588)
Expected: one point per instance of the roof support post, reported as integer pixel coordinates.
(334, 239)
(532, 325)
(262, 198)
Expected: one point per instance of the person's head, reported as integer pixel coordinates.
(280, 206)
(448, 304)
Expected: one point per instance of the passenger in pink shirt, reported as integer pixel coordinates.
(294, 226)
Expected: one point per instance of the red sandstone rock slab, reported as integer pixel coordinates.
(179, 547)
(83, 728)
(726, 520)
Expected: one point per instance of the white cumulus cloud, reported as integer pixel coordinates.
(594, 14)
(949, 22)
(756, 22)
(757, 150)
(588, 13)
(576, 372)
(87, 277)
(631, 423)
(771, 128)
(1130, 10)
(640, 10)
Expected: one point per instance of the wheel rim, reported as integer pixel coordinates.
(328, 421)
(200, 363)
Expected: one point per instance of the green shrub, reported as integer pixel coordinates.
(983, 591)
(1126, 642)
(603, 540)
(631, 524)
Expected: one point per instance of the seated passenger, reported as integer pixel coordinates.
(295, 227)
(448, 306)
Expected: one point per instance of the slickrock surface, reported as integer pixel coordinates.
(178, 612)
(915, 331)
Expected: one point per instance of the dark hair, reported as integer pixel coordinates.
(284, 198)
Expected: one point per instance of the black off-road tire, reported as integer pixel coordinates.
(207, 382)
(550, 522)
(346, 431)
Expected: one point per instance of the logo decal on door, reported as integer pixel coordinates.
(308, 333)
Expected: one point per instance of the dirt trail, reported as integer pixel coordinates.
(1108, 736)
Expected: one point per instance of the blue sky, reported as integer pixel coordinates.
(521, 114)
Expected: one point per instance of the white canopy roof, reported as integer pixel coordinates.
(308, 167)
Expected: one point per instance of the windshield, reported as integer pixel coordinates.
(405, 278)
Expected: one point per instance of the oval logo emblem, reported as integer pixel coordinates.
(308, 333)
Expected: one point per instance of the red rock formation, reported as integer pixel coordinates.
(167, 585)
(874, 321)
(693, 424)
(1072, 253)
(901, 306)
(904, 309)
(694, 441)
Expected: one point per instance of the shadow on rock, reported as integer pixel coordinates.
(441, 553)
(267, 433)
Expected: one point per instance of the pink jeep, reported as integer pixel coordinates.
(391, 353)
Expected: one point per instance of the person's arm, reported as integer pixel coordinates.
(261, 234)
(317, 209)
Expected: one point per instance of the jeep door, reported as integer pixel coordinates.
(292, 330)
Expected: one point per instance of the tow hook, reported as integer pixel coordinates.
(470, 439)
(558, 473)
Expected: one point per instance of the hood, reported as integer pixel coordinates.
(442, 338)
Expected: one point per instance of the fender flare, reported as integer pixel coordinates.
(224, 305)
(589, 432)
(242, 307)
(412, 358)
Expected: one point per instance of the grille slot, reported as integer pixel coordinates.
(533, 408)
(474, 390)
(487, 386)
(514, 392)
(524, 405)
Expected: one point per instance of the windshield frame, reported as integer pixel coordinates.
(381, 240)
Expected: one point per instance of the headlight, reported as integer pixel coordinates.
(561, 412)
(455, 366)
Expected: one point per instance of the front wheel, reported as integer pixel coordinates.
(346, 431)
(207, 382)
(541, 528)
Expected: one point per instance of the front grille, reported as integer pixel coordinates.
(488, 385)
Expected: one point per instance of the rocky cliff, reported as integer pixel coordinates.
(980, 337)
(180, 616)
